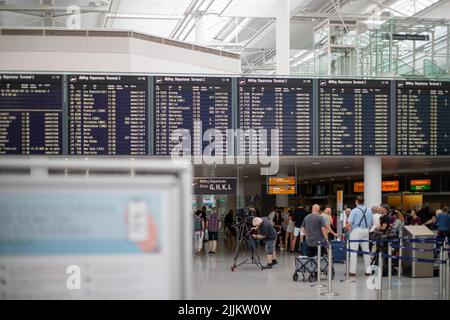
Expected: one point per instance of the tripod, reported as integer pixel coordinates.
(244, 236)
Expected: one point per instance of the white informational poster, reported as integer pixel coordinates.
(92, 238)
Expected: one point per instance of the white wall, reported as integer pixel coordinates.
(106, 54)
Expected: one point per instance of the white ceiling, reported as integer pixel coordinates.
(243, 26)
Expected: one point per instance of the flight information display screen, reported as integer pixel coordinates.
(31, 114)
(196, 104)
(354, 117)
(108, 115)
(423, 118)
(276, 103)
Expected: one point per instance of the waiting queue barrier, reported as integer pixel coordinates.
(384, 251)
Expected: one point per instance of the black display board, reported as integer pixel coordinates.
(108, 115)
(196, 104)
(128, 115)
(354, 117)
(277, 103)
(31, 108)
(423, 118)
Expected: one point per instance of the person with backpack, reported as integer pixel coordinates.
(213, 226)
(358, 224)
(199, 227)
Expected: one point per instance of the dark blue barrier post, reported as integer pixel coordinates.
(400, 254)
(330, 274)
(441, 273)
(319, 269)
(347, 263)
(389, 266)
(380, 275)
(447, 272)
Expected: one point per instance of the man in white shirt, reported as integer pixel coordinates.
(376, 218)
(358, 224)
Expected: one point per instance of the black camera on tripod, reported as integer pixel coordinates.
(244, 218)
(245, 233)
(252, 232)
(243, 215)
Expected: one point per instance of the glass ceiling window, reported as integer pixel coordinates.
(410, 7)
(211, 19)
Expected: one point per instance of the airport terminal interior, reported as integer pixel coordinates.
(225, 149)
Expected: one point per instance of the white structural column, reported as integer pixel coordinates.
(199, 30)
(240, 199)
(240, 192)
(283, 19)
(372, 181)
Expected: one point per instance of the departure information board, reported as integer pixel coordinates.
(354, 117)
(196, 104)
(276, 103)
(31, 114)
(108, 115)
(423, 118)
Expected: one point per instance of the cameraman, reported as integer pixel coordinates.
(267, 232)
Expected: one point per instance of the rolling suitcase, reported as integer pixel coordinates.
(338, 250)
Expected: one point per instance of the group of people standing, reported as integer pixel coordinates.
(288, 224)
(210, 223)
(300, 231)
(389, 221)
(382, 221)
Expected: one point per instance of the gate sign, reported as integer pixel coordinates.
(214, 186)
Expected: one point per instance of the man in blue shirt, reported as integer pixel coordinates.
(358, 224)
(442, 221)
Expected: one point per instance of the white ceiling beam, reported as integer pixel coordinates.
(324, 15)
(138, 16)
(103, 20)
(25, 8)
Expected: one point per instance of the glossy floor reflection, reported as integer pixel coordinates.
(213, 279)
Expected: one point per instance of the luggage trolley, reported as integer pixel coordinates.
(304, 265)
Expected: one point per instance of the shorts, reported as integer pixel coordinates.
(443, 234)
(270, 246)
(312, 251)
(298, 231)
(213, 235)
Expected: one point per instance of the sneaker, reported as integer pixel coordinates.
(351, 274)
(282, 249)
(213, 252)
(268, 266)
(274, 262)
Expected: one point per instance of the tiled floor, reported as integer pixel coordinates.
(213, 279)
